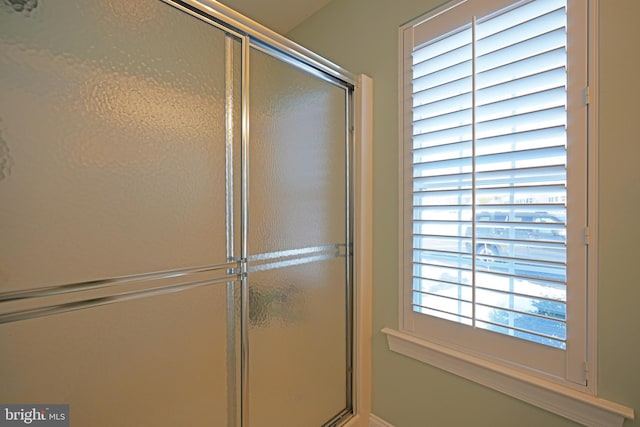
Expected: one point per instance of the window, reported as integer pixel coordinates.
(498, 230)
(495, 167)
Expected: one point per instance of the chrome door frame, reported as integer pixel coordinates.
(254, 35)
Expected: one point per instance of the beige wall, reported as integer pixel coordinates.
(361, 35)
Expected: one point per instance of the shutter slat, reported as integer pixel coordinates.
(442, 122)
(517, 17)
(449, 182)
(543, 100)
(447, 62)
(429, 285)
(517, 303)
(435, 212)
(521, 123)
(444, 91)
(516, 34)
(538, 338)
(454, 247)
(537, 138)
(445, 76)
(447, 136)
(520, 69)
(495, 161)
(424, 109)
(526, 323)
(521, 194)
(524, 176)
(530, 50)
(538, 289)
(544, 80)
(454, 317)
(442, 152)
(443, 45)
(528, 326)
(443, 167)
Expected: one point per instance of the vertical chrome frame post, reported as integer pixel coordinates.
(244, 307)
(349, 215)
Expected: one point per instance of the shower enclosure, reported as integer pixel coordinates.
(176, 220)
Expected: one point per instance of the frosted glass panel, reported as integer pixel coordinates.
(297, 214)
(165, 361)
(296, 158)
(297, 345)
(112, 141)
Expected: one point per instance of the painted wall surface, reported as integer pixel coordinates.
(362, 36)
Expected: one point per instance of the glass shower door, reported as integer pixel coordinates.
(123, 246)
(118, 289)
(298, 240)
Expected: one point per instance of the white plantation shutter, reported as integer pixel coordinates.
(494, 222)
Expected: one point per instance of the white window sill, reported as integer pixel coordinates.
(580, 407)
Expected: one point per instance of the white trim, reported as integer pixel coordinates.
(363, 250)
(593, 119)
(375, 421)
(577, 406)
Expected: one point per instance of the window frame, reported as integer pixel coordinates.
(574, 401)
(558, 365)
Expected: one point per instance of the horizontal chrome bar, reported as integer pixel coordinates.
(103, 283)
(268, 49)
(295, 252)
(241, 24)
(292, 262)
(97, 302)
(293, 257)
